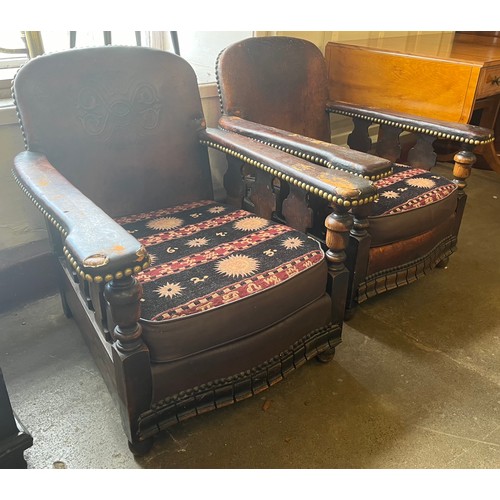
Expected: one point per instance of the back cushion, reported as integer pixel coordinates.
(277, 81)
(120, 123)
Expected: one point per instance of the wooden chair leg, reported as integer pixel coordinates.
(338, 224)
(464, 160)
(358, 254)
(130, 357)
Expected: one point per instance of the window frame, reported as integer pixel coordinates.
(10, 65)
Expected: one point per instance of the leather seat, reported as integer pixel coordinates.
(411, 201)
(257, 262)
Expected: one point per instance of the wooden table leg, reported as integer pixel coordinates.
(485, 114)
(490, 156)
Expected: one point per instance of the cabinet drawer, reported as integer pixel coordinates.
(489, 82)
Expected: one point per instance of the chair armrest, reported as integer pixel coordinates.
(323, 153)
(96, 246)
(469, 134)
(337, 187)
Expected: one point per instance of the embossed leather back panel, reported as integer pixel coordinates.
(277, 81)
(120, 123)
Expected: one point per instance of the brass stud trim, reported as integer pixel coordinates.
(412, 128)
(321, 161)
(280, 175)
(71, 260)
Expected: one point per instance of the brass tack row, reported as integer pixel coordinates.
(37, 205)
(214, 384)
(72, 261)
(18, 114)
(217, 82)
(412, 128)
(96, 279)
(291, 180)
(108, 277)
(326, 163)
(297, 153)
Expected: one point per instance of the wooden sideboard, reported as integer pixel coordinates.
(445, 76)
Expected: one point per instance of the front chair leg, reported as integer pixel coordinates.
(358, 255)
(130, 358)
(464, 160)
(338, 224)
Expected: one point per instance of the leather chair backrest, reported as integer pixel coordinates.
(276, 81)
(120, 123)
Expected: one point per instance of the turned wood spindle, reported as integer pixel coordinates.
(462, 169)
(124, 297)
(338, 224)
(360, 220)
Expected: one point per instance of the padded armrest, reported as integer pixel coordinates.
(469, 134)
(96, 246)
(336, 186)
(324, 153)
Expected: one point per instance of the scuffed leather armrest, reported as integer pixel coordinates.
(337, 187)
(96, 246)
(320, 152)
(468, 134)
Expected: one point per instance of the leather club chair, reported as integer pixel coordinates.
(275, 90)
(187, 303)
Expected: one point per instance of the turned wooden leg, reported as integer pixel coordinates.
(338, 224)
(464, 160)
(358, 255)
(130, 355)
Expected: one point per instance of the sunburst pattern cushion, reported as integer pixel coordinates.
(409, 189)
(411, 201)
(206, 255)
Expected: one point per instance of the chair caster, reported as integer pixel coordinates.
(443, 263)
(140, 448)
(326, 356)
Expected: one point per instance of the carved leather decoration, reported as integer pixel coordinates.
(101, 112)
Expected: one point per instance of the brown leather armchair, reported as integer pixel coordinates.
(187, 304)
(275, 90)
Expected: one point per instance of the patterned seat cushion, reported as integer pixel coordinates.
(411, 201)
(210, 261)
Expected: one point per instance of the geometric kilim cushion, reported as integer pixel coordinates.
(206, 255)
(408, 189)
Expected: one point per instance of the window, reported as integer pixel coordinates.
(54, 41)
(13, 53)
(199, 48)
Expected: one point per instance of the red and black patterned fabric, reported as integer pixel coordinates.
(408, 189)
(207, 254)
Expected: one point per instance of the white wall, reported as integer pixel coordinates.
(20, 221)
